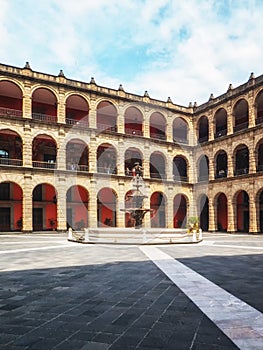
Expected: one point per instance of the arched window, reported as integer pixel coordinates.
(106, 117)
(203, 169)
(221, 165)
(259, 108)
(77, 111)
(222, 216)
(133, 121)
(241, 160)
(180, 130)
(242, 211)
(220, 123)
(106, 159)
(180, 169)
(106, 208)
(157, 126)
(240, 115)
(77, 156)
(157, 166)
(44, 106)
(158, 207)
(203, 129)
(77, 207)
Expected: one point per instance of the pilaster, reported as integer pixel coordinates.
(27, 204)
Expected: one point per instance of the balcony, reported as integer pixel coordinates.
(106, 170)
(154, 175)
(241, 171)
(180, 140)
(259, 120)
(8, 112)
(133, 132)
(221, 174)
(260, 167)
(241, 126)
(12, 162)
(106, 128)
(158, 136)
(44, 165)
(44, 118)
(77, 123)
(203, 139)
(78, 167)
(220, 133)
(180, 178)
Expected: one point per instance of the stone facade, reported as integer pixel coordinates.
(211, 156)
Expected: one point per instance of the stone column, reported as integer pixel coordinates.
(251, 109)
(211, 224)
(27, 204)
(169, 129)
(120, 120)
(231, 215)
(120, 215)
(146, 125)
(253, 224)
(120, 158)
(27, 102)
(93, 154)
(61, 205)
(147, 217)
(210, 127)
(170, 208)
(229, 118)
(169, 166)
(61, 107)
(27, 145)
(61, 150)
(93, 114)
(92, 204)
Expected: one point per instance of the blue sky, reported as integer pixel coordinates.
(182, 49)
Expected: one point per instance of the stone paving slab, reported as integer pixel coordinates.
(109, 297)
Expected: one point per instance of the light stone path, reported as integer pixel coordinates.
(240, 322)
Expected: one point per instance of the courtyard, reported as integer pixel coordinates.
(56, 294)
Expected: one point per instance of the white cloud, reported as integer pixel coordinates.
(181, 49)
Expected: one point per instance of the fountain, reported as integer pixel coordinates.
(136, 211)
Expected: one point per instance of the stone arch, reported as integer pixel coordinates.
(180, 209)
(259, 155)
(77, 198)
(202, 127)
(158, 124)
(77, 155)
(203, 210)
(44, 207)
(157, 165)
(259, 108)
(11, 99)
(77, 110)
(44, 152)
(106, 159)
(11, 148)
(221, 205)
(158, 209)
(241, 204)
(106, 207)
(221, 167)
(132, 155)
(180, 130)
(133, 121)
(241, 160)
(11, 206)
(240, 115)
(180, 168)
(220, 120)
(44, 104)
(106, 116)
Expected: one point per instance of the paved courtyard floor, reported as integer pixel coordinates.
(56, 294)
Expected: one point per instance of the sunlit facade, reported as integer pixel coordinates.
(67, 149)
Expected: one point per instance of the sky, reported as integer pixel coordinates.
(182, 49)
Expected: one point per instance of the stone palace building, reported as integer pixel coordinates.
(67, 149)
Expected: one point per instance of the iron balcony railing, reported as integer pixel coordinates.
(220, 133)
(241, 126)
(136, 132)
(203, 178)
(13, 162)
(259, 120)
(7, 112)
(44, 117)
(78, 167)
(203, 139)
(154, 175)
(180, 178)
(106, 170)
(241, 171)
(106, 128)
(180, 140)
(158, 136)
(45, 165)
(77, 123)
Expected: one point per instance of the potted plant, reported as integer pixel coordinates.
(52, 223)
(193, 224)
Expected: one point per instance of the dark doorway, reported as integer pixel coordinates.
(38, 219)
(5, 215)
